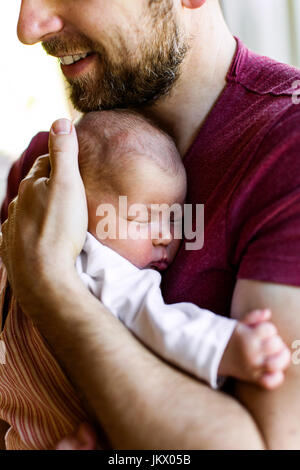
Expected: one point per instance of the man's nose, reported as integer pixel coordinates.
(38, 19)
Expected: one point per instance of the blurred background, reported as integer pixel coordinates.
(32, 88)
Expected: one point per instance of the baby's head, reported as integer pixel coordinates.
(123, 154)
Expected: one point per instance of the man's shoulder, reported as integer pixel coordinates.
(263, 75)
(273, 169)
(269, 108)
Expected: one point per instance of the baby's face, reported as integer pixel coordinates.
(147, 232)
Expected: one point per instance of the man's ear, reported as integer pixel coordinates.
(192, 4)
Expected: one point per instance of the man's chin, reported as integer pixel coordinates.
(84, 101)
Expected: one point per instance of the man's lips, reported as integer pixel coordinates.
(72, 70)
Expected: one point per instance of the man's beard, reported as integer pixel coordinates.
(134, 80)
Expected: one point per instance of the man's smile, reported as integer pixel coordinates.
(71, 59)
(74, 65)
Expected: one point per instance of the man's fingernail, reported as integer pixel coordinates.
(62, 126)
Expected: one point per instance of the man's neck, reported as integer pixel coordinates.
(203, 78)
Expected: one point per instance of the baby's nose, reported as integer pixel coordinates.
(164, 238)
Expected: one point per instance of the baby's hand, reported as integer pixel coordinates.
(255, 352)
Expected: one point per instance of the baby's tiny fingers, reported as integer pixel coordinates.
(272, 345)
(266, 329)
(271, 380)
(279, 362)
(257, 316)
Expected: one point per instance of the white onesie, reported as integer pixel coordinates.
(188, 336)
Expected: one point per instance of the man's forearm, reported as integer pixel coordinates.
(140, 401)
(277, 413)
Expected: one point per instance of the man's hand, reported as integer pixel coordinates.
(47, 222)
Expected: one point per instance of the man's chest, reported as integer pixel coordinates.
(205, 276)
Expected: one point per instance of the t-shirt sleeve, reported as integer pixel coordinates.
(37, 147)
(267, 207)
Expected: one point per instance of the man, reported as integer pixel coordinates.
(232, 116)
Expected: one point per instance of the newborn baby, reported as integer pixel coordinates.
(122, 154)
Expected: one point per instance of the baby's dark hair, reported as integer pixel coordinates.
(105, 135)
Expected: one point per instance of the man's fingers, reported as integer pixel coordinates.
(63, 147)
(41, 168)
(3, 239)
(11, 207)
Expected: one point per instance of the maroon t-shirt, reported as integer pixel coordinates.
(245, 167)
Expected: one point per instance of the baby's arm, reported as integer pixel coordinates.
(193, 339)
(190, 337)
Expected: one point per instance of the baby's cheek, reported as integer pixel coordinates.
(142, 252)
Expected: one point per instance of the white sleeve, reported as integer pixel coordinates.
(192, 338)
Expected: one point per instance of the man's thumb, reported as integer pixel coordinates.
(63, 149)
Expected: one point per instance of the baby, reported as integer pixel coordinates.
(122, 154)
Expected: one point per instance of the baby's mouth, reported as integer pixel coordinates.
(160, 265)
